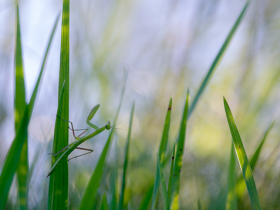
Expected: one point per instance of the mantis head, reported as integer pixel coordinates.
(108, 125)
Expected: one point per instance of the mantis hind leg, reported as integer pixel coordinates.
(90, 151)
(54, 154)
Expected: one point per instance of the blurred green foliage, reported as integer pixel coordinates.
(167, 47)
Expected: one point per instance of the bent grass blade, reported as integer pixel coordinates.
(243, 160)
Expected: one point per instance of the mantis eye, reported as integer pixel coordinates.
(108, 125)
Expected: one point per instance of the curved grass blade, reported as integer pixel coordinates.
(164, 191)
(104, 205)
(174, 202)
(162, 151)
(126, 157)
(199, 205)
(243, 160)
(146, 199)
(240, 185)
(58, 184)
(231, 203)
(13, 155)
(19, 107)
(217, 60)
(87, 200)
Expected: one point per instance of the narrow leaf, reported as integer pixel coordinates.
(217, 60)
(231, 203)
(171, 171)
(162, 151)
(13, 155)
(179, 158)
(243, 160)
(87, 200)
(240, 185)
(164, 191)
(146, 199)
(126, 158)
(104, 205)
(58, 184)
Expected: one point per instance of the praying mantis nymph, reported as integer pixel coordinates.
(79, 139)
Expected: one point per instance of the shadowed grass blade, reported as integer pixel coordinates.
(19, 107)
(58, 184)
(174, 202)
(217, 60)
(162, 151)
(231, 203)
(146, 199)
(87, 200)
(13, 155)
(164, 191)
(243, 160)
(240, 185)
(104, 205)
(199, 205)
(126, 158)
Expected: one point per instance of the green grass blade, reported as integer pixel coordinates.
(179, 158)
(146, 199)
(87, 200)
(104, 205)
(164, 191)
(217, 60)
(231, 203)
(240, 185)
(199, 205)
(162, 151)
(19, 107)
(58, 184)
(126, 158)
(243, 160)
(171, 171)
(13, 155)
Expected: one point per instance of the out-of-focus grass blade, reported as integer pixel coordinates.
(58, 184)
(217, 60)
(174, 202)
(13, 155)
(104, 205)
(171, 171)
(19, 107)
(164, 191)
(162, 151)
(240, 185)
(231, 203)
(146, 199)
(243, 160)
(87, 200)
(199, 205)
(126, 158)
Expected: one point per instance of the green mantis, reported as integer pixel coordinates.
(79, 139)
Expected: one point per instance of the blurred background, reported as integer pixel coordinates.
(167, 46)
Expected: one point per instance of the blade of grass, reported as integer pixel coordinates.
(171, 171)
(19, 107)
(199, 205)
(164, 191)
(240, 185)
(231, 203)
(147, 198)
(13, 155)
(104, 205)
(243, 160)
(126, 157)
(217, 60)
(162, 151)
(87, 200)
(179, 158)
(58, 184)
